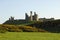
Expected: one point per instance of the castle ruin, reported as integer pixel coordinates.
(27, 19)
(31, 17)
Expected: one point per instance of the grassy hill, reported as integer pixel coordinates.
(50, 26)
(18, 22)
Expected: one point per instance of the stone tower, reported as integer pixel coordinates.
(26, 17)
(31, 18)
(35, 17)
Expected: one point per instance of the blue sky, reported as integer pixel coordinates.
(17, 8)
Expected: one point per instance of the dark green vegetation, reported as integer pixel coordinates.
(50, 26)
(29, 36)
(18, 22)
(15, 22)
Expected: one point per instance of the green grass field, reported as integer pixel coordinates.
(29, 36)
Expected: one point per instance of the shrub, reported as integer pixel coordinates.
(2, 30)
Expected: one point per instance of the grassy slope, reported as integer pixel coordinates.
(29, 36)
(20, 28)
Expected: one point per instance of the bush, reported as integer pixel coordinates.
(2, 30)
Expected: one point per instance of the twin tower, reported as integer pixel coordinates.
(31, 17)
